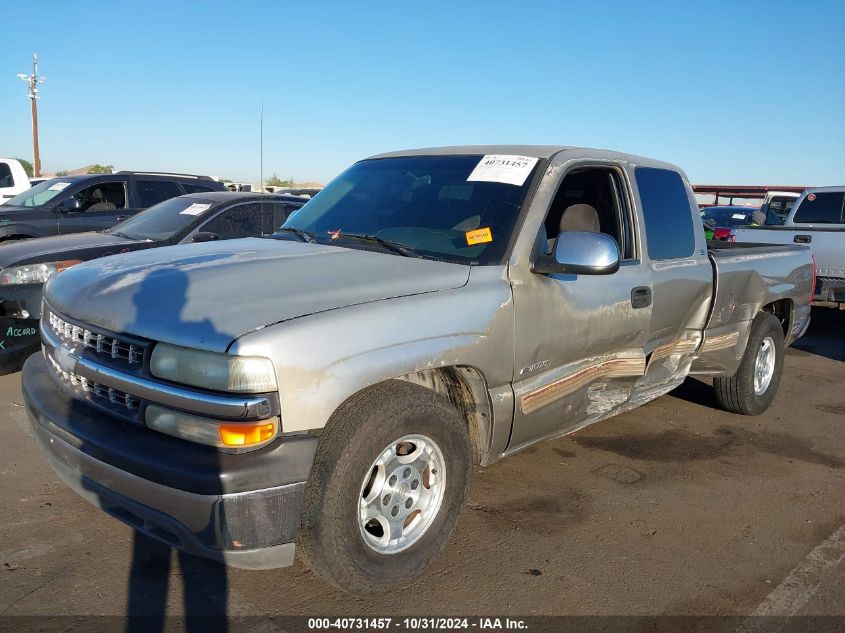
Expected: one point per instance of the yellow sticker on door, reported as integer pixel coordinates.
(479, 236)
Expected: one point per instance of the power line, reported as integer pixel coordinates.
(32, 81)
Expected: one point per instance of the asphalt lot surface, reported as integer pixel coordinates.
(674, 508)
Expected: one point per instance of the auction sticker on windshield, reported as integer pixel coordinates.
(479, 236)
(511, 170)
(195, 209)
(58, 186)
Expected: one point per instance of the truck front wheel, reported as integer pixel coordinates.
(751, 390)
(388, 482)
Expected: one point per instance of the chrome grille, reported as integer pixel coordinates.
(100, 343)
(96, 389)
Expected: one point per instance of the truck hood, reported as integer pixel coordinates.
(59, 247)
(206, 295)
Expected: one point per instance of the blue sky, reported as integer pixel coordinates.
(737, 92)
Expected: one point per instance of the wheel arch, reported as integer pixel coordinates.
(784, 310)
(466, 388)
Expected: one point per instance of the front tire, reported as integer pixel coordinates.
(751, 390)
(389, 480)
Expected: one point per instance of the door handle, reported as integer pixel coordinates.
(802, 239)
(121, 217)
(641, 297)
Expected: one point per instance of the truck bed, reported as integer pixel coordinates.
(827, 244)
(747, 276)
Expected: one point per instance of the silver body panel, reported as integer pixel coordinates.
(555, 352)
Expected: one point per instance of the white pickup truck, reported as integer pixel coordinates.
(817, 219)
(13, 179)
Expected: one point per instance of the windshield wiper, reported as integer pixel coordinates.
(305, 236)
(396, 247)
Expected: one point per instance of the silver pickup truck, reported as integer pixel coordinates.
(332, 387)
(817, 219)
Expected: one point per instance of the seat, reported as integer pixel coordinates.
(101, 204)
(578, 217)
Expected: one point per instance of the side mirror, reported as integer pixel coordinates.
(69, 204)
(204, 236)
(580, 253)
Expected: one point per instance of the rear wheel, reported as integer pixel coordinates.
(751, 390)
(389, 480)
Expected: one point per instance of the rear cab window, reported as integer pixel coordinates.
(667, 213)
(824, 207)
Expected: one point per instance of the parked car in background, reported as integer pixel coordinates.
(775, 208)
(93, 202)
(722, 219)
(26, 265)
(332, 388)
(13, 179)
(817, 219)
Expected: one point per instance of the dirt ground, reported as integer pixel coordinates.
(674, 508)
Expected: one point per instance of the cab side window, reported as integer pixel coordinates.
(104, 196)
(593, 199)
(243, 220)
(667, 213)
(820, 208)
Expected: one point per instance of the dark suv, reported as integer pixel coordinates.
(72, 204)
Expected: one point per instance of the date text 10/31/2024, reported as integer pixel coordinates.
(420, 623)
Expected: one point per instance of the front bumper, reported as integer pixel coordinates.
(243, 510)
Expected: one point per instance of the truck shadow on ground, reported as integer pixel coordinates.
(681, 445)
(824, 336)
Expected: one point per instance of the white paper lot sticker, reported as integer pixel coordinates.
(738, 216)
(58, 186)
(195, 209)
(511, 170)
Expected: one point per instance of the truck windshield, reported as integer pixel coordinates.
(164, 220)
(425, 203)
(40, 194)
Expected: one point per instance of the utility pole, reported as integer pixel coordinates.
(33, 80)
(261, 147)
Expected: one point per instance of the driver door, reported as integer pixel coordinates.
(101, 206)
(580, 338)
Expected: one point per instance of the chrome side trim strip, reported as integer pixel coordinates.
(618, 367)
(723, 341)
(682, 347)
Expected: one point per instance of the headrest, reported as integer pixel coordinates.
(580, 217)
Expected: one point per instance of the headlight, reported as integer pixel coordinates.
(210, 370)
(219, 433)
(34, 273)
